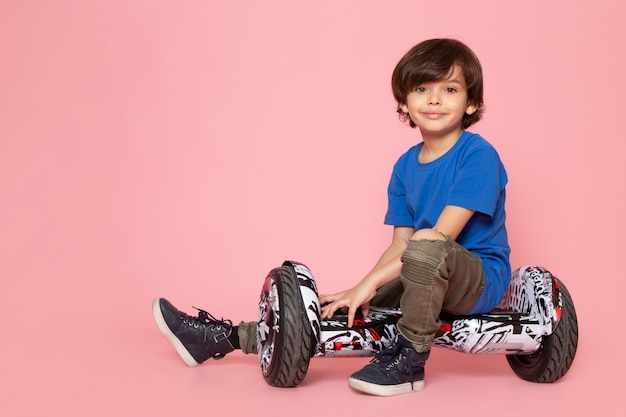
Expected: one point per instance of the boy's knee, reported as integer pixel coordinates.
(422, 259)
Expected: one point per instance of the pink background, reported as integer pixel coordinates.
(185, 148)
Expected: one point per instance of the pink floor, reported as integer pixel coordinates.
(98, 353)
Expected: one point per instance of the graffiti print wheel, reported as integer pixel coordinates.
(285, 338)
(556, 354)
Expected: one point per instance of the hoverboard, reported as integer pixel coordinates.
(534, 325)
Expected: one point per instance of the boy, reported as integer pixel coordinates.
(449, 250)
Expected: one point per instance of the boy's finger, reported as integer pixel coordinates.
(351, 314)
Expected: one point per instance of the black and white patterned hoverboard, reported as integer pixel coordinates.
(535, 325)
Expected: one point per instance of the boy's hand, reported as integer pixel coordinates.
(351, 299)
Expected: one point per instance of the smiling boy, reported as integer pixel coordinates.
(446, 203)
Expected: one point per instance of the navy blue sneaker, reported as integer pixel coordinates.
(396, 370)
(196, 339)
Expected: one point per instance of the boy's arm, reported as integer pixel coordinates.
(401, 236)
(452, 220)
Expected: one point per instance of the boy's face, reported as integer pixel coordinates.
(437, 107)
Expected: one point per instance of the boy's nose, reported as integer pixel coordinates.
(434, 98)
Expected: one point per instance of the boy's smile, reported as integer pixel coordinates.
(434, 115)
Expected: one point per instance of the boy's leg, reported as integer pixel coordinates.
(201, 337)
(437, 275)
(389, 295)
(247, 336)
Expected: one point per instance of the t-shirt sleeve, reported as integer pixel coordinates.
(479, 181)
(398, 213)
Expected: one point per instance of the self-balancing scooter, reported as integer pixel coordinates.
(535, 326)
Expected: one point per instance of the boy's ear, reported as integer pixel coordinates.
(470, 109)
(404, 108)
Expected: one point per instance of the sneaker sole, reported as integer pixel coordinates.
(165, 329)
(385, 390)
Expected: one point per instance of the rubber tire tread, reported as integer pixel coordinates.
(556, 354)
(295, 341)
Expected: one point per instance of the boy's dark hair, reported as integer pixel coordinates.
(434, 60)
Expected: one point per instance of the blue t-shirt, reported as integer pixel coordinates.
(469, 175)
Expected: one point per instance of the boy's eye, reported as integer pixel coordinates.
(450, 90)
(420, 89)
